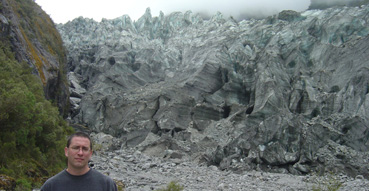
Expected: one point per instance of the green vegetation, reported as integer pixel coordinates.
(33, 134)
(120, 185)
(172, 186)
(327, 183)
(97, 147)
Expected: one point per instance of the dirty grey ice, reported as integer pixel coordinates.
(225, 104)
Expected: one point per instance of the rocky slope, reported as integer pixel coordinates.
(286, 94)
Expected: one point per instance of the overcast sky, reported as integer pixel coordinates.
(62, 11)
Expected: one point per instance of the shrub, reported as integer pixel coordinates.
(172, 186)
(120, 185)
(23, 185)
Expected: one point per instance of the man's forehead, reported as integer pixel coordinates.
(76, 140)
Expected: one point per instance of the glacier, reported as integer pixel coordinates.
(288, 93)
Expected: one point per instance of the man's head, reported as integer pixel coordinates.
(78, 151)
(79, 134)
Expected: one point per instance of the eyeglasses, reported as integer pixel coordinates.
(76, 149)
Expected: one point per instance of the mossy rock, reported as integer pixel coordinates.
(7, 183)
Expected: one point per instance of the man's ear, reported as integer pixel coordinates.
(66, 151)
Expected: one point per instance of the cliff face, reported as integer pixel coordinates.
(34, 40)
(284, 94)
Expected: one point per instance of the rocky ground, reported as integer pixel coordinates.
(140, 172)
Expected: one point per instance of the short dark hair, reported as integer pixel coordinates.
(79, 134)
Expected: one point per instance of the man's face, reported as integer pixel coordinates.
(78, 153)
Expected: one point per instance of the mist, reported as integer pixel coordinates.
(66, 10)
(238, 9)
(324, 4)
(245, 9)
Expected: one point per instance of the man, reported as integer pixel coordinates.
(79, 176)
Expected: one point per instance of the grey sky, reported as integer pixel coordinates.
(63, 11)
(236, 8)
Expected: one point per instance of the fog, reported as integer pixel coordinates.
(239, 9)
(66, 10)
(323, 4)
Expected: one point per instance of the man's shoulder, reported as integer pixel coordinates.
(57, 176)
(52, 180)
(99, 174)
(103, 179)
